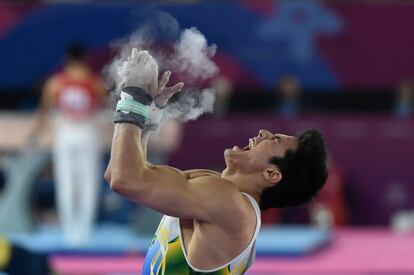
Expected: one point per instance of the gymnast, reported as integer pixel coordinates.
(211, 219)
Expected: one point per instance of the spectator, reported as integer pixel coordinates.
(289, 92)
(224, 90)
(404, 103)
(330, 206)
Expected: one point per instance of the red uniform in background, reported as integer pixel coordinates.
(75, 95)
(332, 196)
(329, 208)
(78, 99)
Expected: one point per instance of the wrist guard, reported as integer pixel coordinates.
(133, 107)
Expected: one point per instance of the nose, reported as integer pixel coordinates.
(264, 134)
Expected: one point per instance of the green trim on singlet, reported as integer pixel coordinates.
(167, 255)
(176, 264)
(130, 105)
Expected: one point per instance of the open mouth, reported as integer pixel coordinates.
(252, 143)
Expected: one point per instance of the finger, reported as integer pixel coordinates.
(170, 91)
(140, 56)
(134, 55)
(164, 80)
(144, 57)
(162, 99)
(176, 88)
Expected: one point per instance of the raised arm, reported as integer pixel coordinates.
(161, 188)
(131, 76)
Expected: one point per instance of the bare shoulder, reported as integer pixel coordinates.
(53, 80)
(52, 84)
(222, 199)
(212, 183)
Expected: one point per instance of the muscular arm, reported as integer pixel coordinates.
(144, 141)
(165, 189)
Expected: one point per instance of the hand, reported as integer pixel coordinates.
(161, 97)
(164, 93)
(140, 71)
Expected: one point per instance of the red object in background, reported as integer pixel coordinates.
(332, 196)
(75, 98)
(272, 216)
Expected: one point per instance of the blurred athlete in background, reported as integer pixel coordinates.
(74, 95)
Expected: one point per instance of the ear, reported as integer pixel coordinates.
(272, 174)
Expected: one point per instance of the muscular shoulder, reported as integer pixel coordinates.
(218, 199)
(212, 184)
(222, 199)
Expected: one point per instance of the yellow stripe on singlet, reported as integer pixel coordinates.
(5, 252)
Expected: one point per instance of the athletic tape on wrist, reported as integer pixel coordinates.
(129, 105)
(139, 95)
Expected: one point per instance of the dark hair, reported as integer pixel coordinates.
(76, 52)
(304, 172)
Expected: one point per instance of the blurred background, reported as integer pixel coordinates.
(343, 67)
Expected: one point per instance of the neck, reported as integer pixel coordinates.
(77, 64)
(77, 70)
(246, 183)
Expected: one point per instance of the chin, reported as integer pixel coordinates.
(227, 152)
(230, 155)
(234, 158)
(227, 157)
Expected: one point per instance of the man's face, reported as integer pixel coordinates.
(256, 155)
